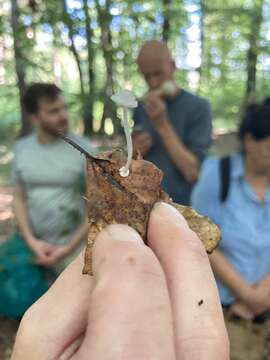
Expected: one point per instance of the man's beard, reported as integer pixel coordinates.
(55, 132)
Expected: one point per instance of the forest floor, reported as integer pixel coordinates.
(8, 329)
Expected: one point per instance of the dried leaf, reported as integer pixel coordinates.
(129, 200)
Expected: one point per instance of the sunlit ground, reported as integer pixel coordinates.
(5, 203)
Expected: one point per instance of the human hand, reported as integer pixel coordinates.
(141, 303)
(42, 249)
(156, 109)
(240, 309)
(57, 252)
(142, 142)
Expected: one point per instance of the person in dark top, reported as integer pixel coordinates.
(175, 125)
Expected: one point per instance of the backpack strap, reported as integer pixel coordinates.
(225, 176)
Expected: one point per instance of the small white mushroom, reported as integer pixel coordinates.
(168, 88)
(126, 99)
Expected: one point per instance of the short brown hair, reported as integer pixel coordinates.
(37, 91)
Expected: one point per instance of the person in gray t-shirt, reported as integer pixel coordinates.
(173, 126)
(49, 179)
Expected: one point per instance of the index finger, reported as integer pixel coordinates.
(199, 325)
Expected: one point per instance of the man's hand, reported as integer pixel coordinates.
(185, 161)
(41, 249)
(57, 253)
(157, 302)
(47, 254)
(156, 109)
(142, 142)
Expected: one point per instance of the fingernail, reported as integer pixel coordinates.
(119, 232)
(168, 212)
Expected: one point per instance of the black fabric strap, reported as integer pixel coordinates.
(225, 175)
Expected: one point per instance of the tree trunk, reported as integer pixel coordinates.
(252, 54)
(202, 40)
(166, 20)
(90, 98)
(69, 23)
(26, 126)
(224, 51)
(87, 111)
(2, 58)
(109, 109)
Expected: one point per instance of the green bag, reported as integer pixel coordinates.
(21, 281)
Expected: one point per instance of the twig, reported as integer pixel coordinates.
(76, 146)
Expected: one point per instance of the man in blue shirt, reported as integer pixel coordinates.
(242, 261)
(176, 125)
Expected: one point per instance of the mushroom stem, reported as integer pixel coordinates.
(124, 171)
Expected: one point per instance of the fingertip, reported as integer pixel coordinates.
(119, 232)
(110, 242)
(166, 212)
(168, 229)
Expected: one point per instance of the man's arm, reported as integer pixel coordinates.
(41, 248)
(186, 160)
(79, 234)
(61, 251)
(20, 211)
(47, 254)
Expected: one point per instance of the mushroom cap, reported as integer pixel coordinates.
(125, 98)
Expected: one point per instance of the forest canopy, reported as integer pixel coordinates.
(89, 49)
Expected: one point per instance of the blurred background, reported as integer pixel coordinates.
(89, 47)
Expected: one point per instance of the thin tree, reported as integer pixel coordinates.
(104, 19)
(70, 25)
(256, 17)
(166, 29)
(90, 99)
(87, 80)
(26, 126)
(202, 41)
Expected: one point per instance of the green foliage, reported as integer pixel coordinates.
(56, 46)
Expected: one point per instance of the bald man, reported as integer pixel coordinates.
(175, 125)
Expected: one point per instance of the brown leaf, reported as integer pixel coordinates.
(129, 200)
